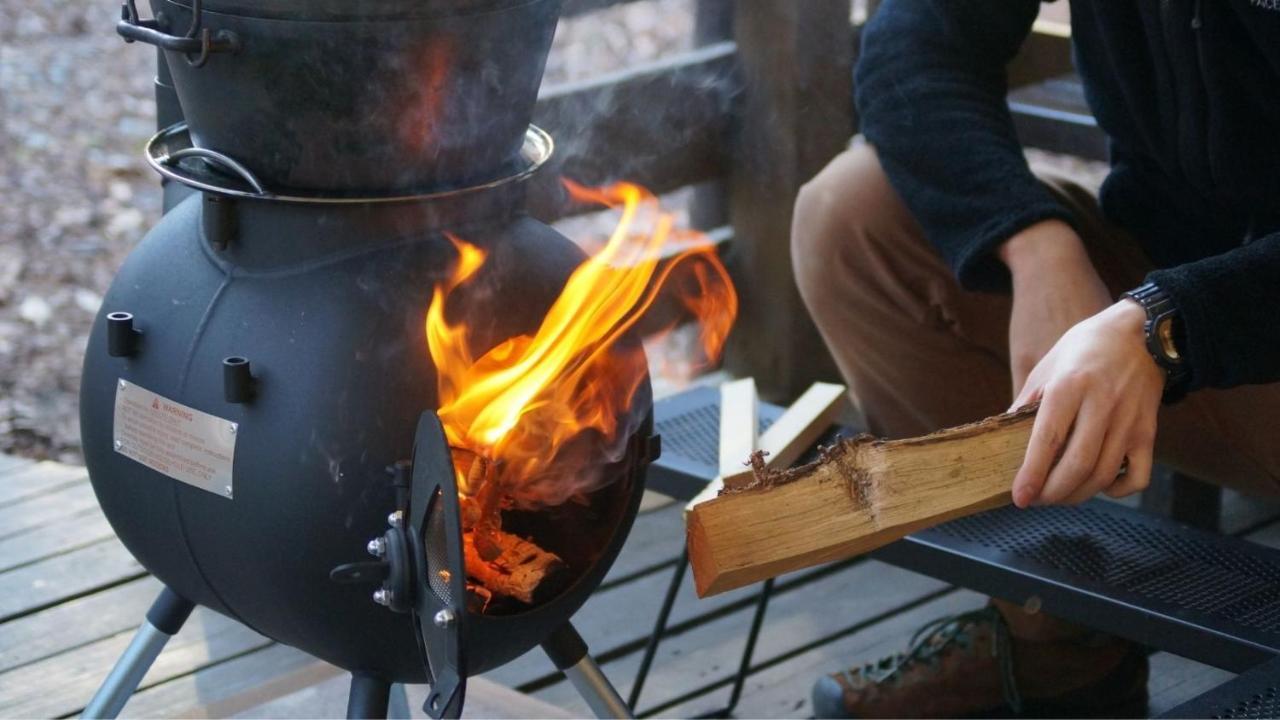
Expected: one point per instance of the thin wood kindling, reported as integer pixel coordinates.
(795, 431)
(738, 424)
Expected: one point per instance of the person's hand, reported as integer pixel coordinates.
(1054, 287)
(1099, 391)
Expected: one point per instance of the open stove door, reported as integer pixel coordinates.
(439, 599)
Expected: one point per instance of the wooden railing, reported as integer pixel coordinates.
(755, 109)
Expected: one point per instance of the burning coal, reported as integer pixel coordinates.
(533, 420)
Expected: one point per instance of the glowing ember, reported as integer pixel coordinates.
(533, 420)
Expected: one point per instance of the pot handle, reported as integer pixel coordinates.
(199, 41)
(218, 158)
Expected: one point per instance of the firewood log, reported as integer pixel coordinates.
(521, 569)
(862, 493)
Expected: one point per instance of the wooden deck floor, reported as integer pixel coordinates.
(71, 596)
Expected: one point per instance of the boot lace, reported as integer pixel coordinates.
(932, 641)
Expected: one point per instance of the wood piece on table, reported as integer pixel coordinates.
(863, 493)
(794, 432)
(738, 424)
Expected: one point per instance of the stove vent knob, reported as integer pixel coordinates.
(377, 547)
(396, 519)
(123, 338)
(444, 618)
(238, 383)
(382, 596)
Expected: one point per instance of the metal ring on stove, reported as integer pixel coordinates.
(228, 162)
(174, 143)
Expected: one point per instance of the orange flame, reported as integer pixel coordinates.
(545, 409)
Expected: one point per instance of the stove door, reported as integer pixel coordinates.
(435, 531)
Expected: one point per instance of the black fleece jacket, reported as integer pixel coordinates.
(1188, 92)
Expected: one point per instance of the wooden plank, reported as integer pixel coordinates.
(62, 684)
(328, 699)
(656, 538)
(862, 494)
(232, 685)
(737, 424)
(30, 513)
(782, 689)
(618, 619)
(33, 479)
(487, 699)
(662, 125)
(76, 623)
(1175, 680)
(794, 114)
(10, 463)
(790, 436)
(710, 652)
(71, 533)
(47, 582)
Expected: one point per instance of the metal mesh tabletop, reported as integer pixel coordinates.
(1211, 598)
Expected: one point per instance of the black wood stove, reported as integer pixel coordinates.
(258, 400)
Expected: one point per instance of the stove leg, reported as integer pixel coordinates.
(368, 698)
(568, 651)
(164, 619)
(398, 707)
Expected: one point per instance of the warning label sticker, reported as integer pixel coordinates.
(187, 445)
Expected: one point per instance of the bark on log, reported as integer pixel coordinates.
(862, 494)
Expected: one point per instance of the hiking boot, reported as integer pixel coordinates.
(970, 665)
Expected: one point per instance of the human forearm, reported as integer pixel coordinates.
(1055, 286)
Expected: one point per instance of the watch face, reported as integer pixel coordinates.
(1164, 330)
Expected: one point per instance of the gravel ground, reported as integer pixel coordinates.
(75, 110)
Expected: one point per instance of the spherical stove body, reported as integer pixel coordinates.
(327, 303)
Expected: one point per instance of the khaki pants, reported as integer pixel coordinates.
(919, 353)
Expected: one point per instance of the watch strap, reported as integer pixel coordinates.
(1159, 332)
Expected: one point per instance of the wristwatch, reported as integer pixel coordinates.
(1164, 332)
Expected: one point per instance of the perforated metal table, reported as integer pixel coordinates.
(1212, 598)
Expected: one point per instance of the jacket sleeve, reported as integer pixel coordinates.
(1228, 305)
(930, 89)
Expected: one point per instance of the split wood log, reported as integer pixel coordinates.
(738, 424)
(862, 494)
(518, 570)
(795, 431)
